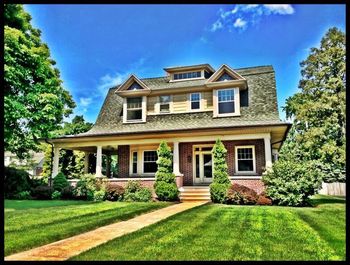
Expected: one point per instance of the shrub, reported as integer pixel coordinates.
(136, 193)
(290, 183)
(221, 182)
(99, 195)
(23, 195)
(67, 193)
(56, 195)
(262, 200)
(165, 184)
(60, 182)
(166, 191)
(85, 187)
(114, 192)
(239, 194)
(42, 192)
(15, 181)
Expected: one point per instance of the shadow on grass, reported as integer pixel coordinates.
(318, 200)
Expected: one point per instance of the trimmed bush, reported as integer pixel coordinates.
(239, 194)
(15, 181)
(165, 184)
(290, 183)
(43, 192)
(60, 182)
(114, 192)
(262, 200)
(56, 195)
(134, 192)
(67, 193)
(85, 188)
(99, 195)
(23, 195)
(221, 182)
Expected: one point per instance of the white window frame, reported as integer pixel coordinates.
(132, 162)
(236, 102)
(236, 159)
(186, 79)
(143, 108)
(200, 101)
(158, 103)
(142, 164)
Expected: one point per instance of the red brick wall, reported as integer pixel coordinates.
(186, 165)
(255, 184)
(123, 161)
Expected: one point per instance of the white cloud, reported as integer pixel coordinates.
(239, 23)
(242, 16)
(85, 101)
(280, 9)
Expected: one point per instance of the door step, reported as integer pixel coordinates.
(194, 193)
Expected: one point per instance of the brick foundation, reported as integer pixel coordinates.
(255, 184)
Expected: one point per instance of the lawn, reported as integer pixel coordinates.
(32, 223)
(222, 232)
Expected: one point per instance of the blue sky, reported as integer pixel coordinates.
(98, 46)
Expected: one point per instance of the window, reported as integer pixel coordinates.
(164, 104)
(149, 161)
(226, 102)
(134, 109)
(195, 100)
(134, 162)
(187, 75)
(245, 159)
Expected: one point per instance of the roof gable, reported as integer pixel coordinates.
(226, 76)
(131, 86)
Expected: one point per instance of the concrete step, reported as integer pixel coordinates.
(195, 199)
(194, 194)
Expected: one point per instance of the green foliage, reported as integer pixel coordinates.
(56, 195)
(60, 182)
(99, 195)
(23, 195)
(290, 183)
(134, 192)
(165, 184)
(221, 182)
(318, 110)
(43, 192)
(85, 187)
(15, 181)
(34, 100)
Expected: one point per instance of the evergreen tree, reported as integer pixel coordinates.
(318, 110)
(221, 182)
(165, 183)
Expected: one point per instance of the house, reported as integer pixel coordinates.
(33, 165)
(190, 107)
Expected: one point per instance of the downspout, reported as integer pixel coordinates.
(51, 164)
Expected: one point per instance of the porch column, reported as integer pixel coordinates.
(108, 166)
(176, 159)
(86, 163)
(56, 156)
(99, 162)
(268, 158)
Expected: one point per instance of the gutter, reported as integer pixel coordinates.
(289, 125)
(51, 164)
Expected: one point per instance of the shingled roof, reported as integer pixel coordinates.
(261, 110)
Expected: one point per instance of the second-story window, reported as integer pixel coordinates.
(164, 104)
(187, 75)
(134, 109)
(195, 101)
(226, 101)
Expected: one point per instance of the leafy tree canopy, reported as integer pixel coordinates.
(318, 110)
(35, 102)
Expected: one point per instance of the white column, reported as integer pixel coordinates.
(176, 159)
(99, 162)
(56, 156)
(86, 163)
(268, 158)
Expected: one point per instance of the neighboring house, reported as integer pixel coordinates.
(189, 108)
(33, 165)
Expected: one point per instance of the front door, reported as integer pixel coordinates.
(203, 167)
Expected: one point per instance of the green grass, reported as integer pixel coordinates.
(222, 232)
(30, 223)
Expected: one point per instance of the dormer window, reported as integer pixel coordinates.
(226, 102)
(134, 109)
(187, 75)
(164, 104)
(195, 101)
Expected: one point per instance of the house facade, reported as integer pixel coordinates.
(190, 107)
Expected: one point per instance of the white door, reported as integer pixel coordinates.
(203, 167)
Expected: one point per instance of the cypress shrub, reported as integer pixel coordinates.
(60, 182)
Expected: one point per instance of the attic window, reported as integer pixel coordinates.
(187, 75)
(135, 86)
(164, 104)
(134, 109)
(225, 77)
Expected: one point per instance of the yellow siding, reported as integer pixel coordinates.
(207, 100)
(180, 102)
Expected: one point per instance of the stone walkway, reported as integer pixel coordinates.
(72, 246)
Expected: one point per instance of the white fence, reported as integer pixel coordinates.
(335, 188)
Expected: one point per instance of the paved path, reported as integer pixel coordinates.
(72, 246)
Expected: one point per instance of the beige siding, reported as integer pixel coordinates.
(151, 102)
(180, 102)
(207, 100)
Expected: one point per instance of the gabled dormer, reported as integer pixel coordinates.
(186, 73)
(225, 76)
(134, 93)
